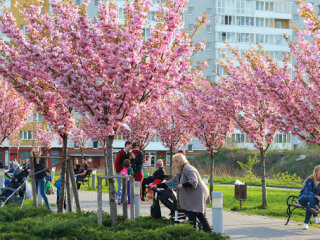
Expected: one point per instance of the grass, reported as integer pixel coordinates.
(256, 182)
(252, 205)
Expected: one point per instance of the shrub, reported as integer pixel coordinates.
(287, 177)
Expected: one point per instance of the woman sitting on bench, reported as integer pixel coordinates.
(309, 196)
(82, 175)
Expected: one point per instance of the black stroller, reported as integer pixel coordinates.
(168, 198)
(15, 191)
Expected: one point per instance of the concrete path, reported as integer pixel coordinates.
(236, 225)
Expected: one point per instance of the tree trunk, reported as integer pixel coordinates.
(68, 189)
(33, 183)
(82, 154)
(171, 155)
(18, 155)
(263, 178)
(63, 173)
(108, 154)
(74, 185)
(211, 173)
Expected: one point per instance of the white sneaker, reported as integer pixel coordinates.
(305, 226)
(317, 220)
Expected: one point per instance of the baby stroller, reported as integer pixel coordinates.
(14, 192)
(168, 198)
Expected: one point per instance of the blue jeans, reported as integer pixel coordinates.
(40, 185)
(309, 202)
(119, 188)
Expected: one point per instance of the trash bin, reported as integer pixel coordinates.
(240, 192)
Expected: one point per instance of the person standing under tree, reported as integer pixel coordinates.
(137, 161)
(122, 155)
(40, 173)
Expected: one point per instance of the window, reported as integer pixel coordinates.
(209, 11)
(190, 27)
(153, 158)
(26, 135)
(54, 153)
(120, 13)
(209, 45)
(208, 28)
(95, 144)
(24, 155)
(260, 38)
(208, 77)
(155, 139)
(78, 2)
(190, 148)
(282, 138)
(168, 158)
(151, 15)
(279, 24)
(269, 6)
(238, 138)
(36, 117)
(24, 29)
(118, 137)
(190, 10)
(147, 33)
(260, 22)
(260, 5)
(220, 70)
(75, 146)
(96, 2)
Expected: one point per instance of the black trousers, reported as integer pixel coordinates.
(145, 182)
(202, 218)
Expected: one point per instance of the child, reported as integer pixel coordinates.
(127, 170)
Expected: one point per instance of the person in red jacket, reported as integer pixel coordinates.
(122, 155)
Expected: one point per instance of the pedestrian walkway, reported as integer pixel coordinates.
(236, 225)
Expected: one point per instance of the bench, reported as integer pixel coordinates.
(86, 178)
(292, 204)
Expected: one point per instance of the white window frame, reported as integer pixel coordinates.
(26, 135)
(190, 147)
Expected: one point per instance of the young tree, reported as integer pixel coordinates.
(170, 125)
(252, 110)
(204, 112)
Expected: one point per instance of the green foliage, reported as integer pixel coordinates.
(38, 223)
(287, 177)
(247, 167)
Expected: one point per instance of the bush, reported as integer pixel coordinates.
(39, 223)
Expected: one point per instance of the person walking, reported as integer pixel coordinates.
(192, 193)
(40, 174)
(309, 196)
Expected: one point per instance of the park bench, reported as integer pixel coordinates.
(292, 204)
(86, 178)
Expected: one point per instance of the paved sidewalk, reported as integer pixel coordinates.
(236, 225)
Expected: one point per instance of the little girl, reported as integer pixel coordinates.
(127, 170)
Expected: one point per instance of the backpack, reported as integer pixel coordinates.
(48, 188)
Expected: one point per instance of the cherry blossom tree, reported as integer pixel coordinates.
(204, 112)
(14, 110)
(253, 111)
(170, 125)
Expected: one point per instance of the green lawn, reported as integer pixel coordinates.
(276, 202)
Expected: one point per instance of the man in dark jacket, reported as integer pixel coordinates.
(158, 174)
(122, 155)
